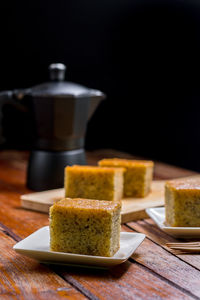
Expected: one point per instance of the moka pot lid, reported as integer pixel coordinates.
(57, 87)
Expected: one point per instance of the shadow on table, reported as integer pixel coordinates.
(90, 271)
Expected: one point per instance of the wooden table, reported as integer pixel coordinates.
(153, 271)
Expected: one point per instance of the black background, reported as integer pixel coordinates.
(145, 55)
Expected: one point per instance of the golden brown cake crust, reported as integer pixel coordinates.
(126, 162)
(95, 169)
(85, 204)
(184, 184)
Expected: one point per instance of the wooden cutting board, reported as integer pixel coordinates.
(132, 208)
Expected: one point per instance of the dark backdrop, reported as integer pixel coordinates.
(145, 55)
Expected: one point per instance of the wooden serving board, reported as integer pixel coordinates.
(132, 208)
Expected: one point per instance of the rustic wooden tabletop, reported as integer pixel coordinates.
(153, 271)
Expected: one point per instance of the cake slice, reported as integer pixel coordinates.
(137, 176)
(94, 182)
(85, 226)
(182, 202)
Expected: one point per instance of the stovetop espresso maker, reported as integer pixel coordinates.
(56, 115)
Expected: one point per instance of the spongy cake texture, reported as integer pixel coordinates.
(94, 182)
(182, 202)
(137, 176)
(85, 226)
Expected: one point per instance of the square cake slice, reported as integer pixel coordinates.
(137, 176)
(85, 226)
(94, 182)
(182, 202)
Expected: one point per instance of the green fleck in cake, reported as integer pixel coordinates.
(90, 182)
(85, 226)
(182, 202)
(137, 176)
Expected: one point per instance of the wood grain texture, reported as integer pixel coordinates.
(21, 222)
(123, 287)
(153, 272)
(23, 278)
(125, 292)
(127, 281)
(169, 266)
(159, 237)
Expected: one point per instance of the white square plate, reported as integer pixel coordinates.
(158, 215)
(36, 246)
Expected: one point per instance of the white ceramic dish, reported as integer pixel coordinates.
(158, 215)
(36, 246)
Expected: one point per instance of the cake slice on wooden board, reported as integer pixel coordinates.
(94, 182)
(182, 202)
(85, 226)
(137, 176)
